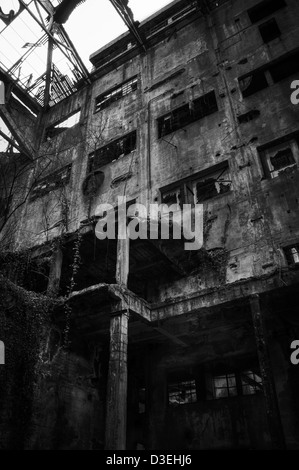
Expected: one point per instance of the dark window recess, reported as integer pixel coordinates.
(51, 182)
(285, 67)
(269, 30)
(282, 159)
(104, 100)
(292, 254)
(59, 127)
(250, 116)
(187, 114)
(253, 83)
(264, 9)
(279, 70)
(182, 393)
(112, 151)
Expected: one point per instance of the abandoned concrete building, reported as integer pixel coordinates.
(147, 345)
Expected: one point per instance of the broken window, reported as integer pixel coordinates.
(212, 184)
(61, 126)
(187, 114)
(112, 151)
(269, 30)
(236, 383)
(264, 9)
(204, 105)
(172, 197)
(251, 382)
(253, 83)
(292, 254)
(282, 159)
(51, 182)
(115, 94)
(278, 157)
(199, 188)
(285, 67)
(182, 393)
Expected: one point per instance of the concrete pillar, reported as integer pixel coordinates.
(116, 407)
(122, 265)
(272, 410)
(55, 272)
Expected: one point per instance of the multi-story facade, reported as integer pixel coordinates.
(170, 348)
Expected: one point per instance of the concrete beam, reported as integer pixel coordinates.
(221, 294)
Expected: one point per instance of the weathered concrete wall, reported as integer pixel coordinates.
(245, 222)
(250, 224)
(69, 410)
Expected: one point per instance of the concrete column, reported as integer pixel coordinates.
(55, 272)
(116, 407)
(272, 410)
(122, 264)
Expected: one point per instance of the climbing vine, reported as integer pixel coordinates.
(74, 270)
(23, 319)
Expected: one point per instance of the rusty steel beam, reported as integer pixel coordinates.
(126, 14)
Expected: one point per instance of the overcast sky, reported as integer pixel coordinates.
(96, 22)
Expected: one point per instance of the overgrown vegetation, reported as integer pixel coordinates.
(24, 316)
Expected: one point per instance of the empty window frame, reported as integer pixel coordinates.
(61, 126)
(112, 151)
(199, 188)
(264, 9)
(187, 114)
(257, 80)
(51, 182)
(279, 156)
(292, 254)
(182, 392)
(115, 94)
(269, 30)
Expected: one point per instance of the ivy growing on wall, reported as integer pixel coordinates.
(23, 319)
